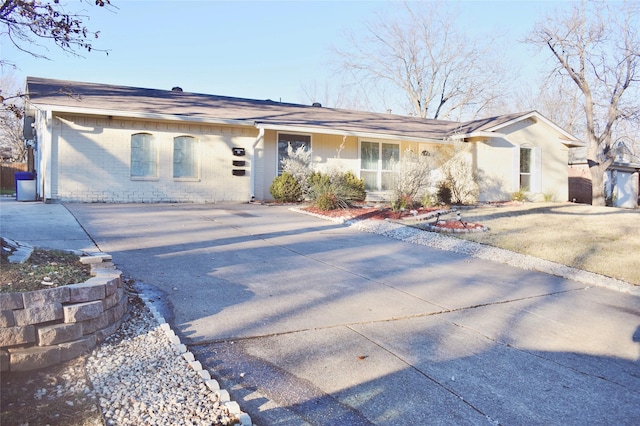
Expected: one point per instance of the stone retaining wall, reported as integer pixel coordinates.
(46, 327)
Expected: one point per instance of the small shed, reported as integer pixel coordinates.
(624, 184)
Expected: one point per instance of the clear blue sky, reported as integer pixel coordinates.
(252, 49)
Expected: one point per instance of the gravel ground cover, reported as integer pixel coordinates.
(136, 376)
(140, 377)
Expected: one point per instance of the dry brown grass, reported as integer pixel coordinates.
(44, 269)
(603, 240)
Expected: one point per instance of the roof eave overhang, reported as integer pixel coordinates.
(339, 132)
(141, 115)
(480, 134)
(520, 118)
(625, 167)
(574, 143)
(568, 139)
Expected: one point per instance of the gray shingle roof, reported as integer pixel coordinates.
(132, 100)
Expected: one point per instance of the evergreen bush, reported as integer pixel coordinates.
(286, 189)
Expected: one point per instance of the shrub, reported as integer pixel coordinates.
(355, 185)
(402, 203)
(428, 200)
(412, 178)
(458, 173)
(327, 201)
(298, 164)
(519, 195)
(337, 190)
(443, 195)
(318, 179)
(285, 188)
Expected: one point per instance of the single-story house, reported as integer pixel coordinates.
(105, 143)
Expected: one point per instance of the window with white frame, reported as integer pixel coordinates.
(144, 156)
(525, 168)
(378, 164)
(530, 169)
(295, 141)
(185, 157)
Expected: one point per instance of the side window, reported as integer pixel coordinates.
(144, 156)
(295, 141)
(185, 157)
(530, 169)
(525, 169)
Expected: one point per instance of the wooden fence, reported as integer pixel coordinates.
(7, 174)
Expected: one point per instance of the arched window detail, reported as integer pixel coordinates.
(185, 157)
(144, 156)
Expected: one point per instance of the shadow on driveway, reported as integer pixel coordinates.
(304, 320)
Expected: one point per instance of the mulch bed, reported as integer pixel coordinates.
(383, 213)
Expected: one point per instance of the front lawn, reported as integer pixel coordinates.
(604, 240)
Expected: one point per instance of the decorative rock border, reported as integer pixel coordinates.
(434, 228)
(45, 327)
(223, 395)
(421, 223)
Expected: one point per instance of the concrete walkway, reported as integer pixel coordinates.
(309, 322)
(42, 225)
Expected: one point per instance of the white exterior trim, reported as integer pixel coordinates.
(141, 115)
(278, 148)
(378, 190)
(328, 131)
(570, 139)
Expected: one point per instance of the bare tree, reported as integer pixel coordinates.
(560, 102)
(424, 56)
(25, 22)
(11, 121)
(597, 46)
(334, 96)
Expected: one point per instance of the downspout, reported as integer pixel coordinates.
(46, 159)
(252, 174)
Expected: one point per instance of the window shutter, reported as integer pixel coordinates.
(515, 181)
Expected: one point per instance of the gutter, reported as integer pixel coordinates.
(148, 115)
(252, 170)
(328, 131)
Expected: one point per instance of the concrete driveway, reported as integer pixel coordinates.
(309, 322)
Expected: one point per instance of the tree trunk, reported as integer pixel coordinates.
(597, 184)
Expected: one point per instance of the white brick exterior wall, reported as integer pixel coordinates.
(94, 154)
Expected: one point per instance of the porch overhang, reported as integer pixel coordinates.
(355, 133)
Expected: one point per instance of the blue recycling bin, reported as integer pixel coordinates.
(25, 186)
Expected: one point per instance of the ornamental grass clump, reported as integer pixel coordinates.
(335, 190)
